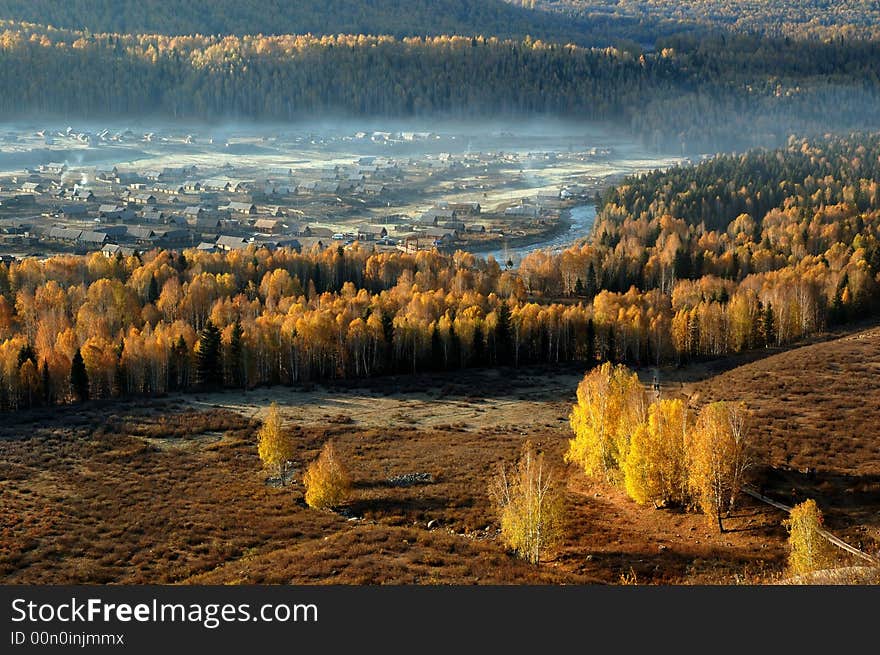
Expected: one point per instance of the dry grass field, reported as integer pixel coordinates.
(817, 415)
(170, 490)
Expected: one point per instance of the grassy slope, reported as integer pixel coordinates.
(817, 416)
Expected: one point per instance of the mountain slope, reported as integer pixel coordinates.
(395, 17)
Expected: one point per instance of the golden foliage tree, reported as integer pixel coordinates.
(529, 504)
(718, 457)
(808, 549)
(655, 470)
(273, 443)
(327, 480)
(611, 404)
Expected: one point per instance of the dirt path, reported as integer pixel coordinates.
(543, 401)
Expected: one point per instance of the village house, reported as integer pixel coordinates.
(320, 232)
(268, 226)
(241, 208)
(441, 236)
(371, 232)
(274, 244)
(143, 235)
(63, 234)
(437, 215)
(53, 168)
(73, 211)
(373, 189)
(152, 215)
(225, 242)
(114, 231)
(522, 210)
(91, 239)
(195, 212)
(144, 199)
(111, 250)
(82, 195)
(206, 223)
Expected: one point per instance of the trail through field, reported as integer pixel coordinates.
(545, 401)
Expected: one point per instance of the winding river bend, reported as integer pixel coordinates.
(581, 219)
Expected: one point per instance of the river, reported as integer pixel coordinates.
(581, 219)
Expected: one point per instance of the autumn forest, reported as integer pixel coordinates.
(736, 253)
(536, 292)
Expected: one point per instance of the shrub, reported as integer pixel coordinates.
(808, 549)
(326, 480)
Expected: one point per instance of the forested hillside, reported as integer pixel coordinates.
(652, 19)
(697, 95)
(736, 253)
(319, 17)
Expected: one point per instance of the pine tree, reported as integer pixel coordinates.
(503, 335)
(46, 383)
(437, 359)
(208, 363)
(591, 286)
(153, 291)
(768, 326)
(235, 356)
(27, 353)
(478, 349)
(454, 348)
(120, 382)
(178, 365)
(590, 351)
(79, 378)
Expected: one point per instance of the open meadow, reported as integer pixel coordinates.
(170, 490)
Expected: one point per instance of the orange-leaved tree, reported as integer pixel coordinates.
(719, 454)
(327, 480)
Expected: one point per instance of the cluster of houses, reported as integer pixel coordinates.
(226, 208)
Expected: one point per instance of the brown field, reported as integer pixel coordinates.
(817, 413)
(170, 490)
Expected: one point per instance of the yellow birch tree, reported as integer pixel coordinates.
(530, 505)
(274, 446)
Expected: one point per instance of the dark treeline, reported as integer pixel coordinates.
(320, 17)
(698, 95)
(801, 19)
(787, 247)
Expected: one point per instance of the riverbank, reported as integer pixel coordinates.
(576, 223)
(558, 228)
